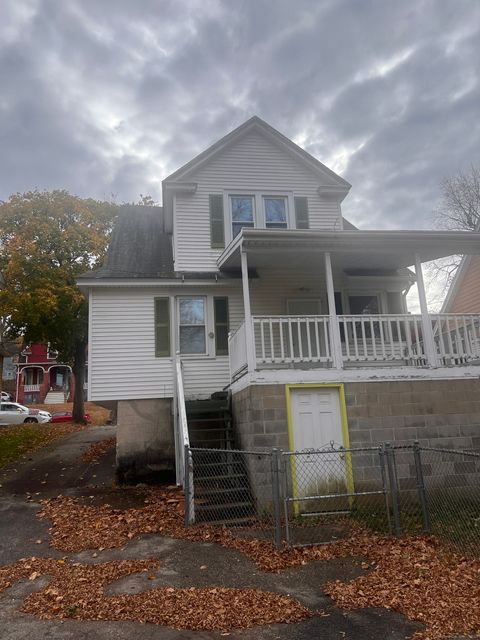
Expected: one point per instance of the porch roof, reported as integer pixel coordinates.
(349, 249)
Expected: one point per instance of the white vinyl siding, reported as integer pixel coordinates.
(271, 291)
(202, 377)
(122, 358)
(253, 164)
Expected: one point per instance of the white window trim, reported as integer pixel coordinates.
(209, 327)
(258, 208)
(278, 197)
(206, 353)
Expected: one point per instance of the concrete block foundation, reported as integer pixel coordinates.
(443, 413)
(437, 413)
(145, 440)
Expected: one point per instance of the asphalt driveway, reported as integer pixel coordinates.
(58, 469)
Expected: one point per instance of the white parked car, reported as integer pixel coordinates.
(6, 397)
(14, 413)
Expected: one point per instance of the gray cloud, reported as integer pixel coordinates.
(108, 97)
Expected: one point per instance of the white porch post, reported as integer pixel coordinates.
(335, 340)
(248, 314)
(430, 348)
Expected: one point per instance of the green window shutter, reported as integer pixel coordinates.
(220, 307)
(162, 327)
(301, 212)
(217, 222)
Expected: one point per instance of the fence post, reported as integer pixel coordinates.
(392, 480)
(381, 455)
(186, 483)
(421, 487)
(277, 513)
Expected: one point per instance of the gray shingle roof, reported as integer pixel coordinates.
(139, 247)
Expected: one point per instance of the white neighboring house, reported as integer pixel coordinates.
(251, 277)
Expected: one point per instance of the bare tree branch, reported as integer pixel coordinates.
(459, 209)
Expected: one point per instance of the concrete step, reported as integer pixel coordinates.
(55, 397)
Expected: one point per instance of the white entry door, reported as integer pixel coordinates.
(317, 426)
(316, 418)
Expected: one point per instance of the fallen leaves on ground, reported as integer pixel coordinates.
(98, 449)
(419, 579)
(76, 527)
(413, 576)
(77, 591)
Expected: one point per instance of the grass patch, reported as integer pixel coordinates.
(17, 440)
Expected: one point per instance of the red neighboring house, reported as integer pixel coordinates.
(40, 378)
(464, 293)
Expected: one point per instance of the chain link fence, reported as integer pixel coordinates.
(232, 488)
(317, 496)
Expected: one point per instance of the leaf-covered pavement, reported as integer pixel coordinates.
(413, 576)
(77, 591)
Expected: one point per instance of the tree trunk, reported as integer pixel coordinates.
(79, 373)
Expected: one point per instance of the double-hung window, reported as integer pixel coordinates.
(192, 325)
(275, 209)
(233, 211)
(243, 213)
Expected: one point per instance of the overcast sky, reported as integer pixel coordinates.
(107, 97)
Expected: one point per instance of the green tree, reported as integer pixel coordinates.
(47, 239)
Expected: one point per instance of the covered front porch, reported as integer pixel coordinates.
(337, 301)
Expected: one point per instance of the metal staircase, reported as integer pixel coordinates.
(221, 485)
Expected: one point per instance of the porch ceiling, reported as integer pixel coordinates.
(349, 249)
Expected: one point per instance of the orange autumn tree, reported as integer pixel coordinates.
(47, 239)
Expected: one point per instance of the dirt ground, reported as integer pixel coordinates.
(98, 414)
(58, 469)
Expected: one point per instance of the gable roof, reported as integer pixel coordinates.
(257, 124)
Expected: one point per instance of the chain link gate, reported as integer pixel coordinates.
(317, 496)
(324, 496)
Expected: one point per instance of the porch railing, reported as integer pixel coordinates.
(375, 338)
(290, 339)
(30, 388)
(237, 349)
(306, 341)
(457, 337)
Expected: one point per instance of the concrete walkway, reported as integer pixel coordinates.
(58, 469)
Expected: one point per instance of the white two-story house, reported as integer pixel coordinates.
(250, 280)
